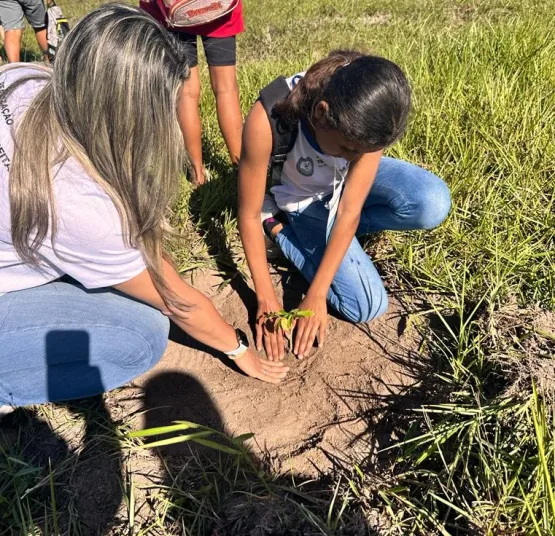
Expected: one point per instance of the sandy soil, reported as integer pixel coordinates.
(306, 427)
(307, 423)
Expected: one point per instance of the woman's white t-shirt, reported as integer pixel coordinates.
(89, 245)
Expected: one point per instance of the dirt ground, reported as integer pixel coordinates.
(314, 422)
(304, 425)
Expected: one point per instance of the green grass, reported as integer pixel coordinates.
(477, 455)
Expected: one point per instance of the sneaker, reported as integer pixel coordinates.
(270, 209)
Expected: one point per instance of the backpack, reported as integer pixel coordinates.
(57, 28)
(185, 13)
(283, 135)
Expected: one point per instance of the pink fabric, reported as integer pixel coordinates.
(226, 26)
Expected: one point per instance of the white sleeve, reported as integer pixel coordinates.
(89, 245)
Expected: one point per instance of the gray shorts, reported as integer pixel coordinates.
(13, 11)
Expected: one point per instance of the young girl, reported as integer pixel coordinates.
(219, 43)
(335, 185)
(88, 168)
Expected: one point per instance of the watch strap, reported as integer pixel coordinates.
(241, 349)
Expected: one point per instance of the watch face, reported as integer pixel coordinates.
(242, 337)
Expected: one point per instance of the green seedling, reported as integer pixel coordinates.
(286, 319)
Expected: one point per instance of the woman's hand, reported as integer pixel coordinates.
(266, 330)
(260, 368)
(310, 327)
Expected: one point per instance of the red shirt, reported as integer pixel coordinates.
(226, 26)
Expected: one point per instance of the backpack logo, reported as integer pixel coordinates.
(305, 166)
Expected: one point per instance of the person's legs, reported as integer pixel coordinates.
(61, 342)
(357, 291)
(40, 34)
(189, 119)
(221, 58)
(11, 15)
(35, 13)
(12, 45)
(188, 112)
(403, 197)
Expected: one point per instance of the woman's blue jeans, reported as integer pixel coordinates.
(61, 342)
(403, 197)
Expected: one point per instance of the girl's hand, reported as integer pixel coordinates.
(262, 369)
(310, 327)
(266, 331)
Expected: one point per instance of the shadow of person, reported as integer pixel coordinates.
(194, 481)
(209, 492)
(76, 446)
(93, 487)
(177, 396)
(294, 287)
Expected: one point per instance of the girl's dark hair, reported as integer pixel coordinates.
(368, 98)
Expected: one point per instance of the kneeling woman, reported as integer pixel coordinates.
(90, 159)
(334, 185)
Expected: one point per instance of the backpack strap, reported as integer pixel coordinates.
(283, 135)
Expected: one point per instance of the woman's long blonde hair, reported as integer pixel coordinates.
(111, 102)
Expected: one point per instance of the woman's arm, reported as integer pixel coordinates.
(202, 321)
(357, 187)
(253, 168)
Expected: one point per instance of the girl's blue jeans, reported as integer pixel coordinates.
(403, 197)
(60, 342)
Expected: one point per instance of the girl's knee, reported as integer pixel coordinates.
(433, 203)
(365, 306)
(226, 93)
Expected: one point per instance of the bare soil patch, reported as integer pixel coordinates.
(304, 425)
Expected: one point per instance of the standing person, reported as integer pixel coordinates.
(87, 173)
(219, 41)
(13, 14)
(335, 185)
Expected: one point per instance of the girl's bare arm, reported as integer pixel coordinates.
(255, 155)
(256, 151)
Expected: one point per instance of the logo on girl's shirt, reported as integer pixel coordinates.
(295, 80)
(305, 166)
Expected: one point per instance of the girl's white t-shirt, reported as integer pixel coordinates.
(89, 245)
(308, 175)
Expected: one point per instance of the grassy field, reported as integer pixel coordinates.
(477, 449)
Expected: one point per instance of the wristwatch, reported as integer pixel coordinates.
(242, 348)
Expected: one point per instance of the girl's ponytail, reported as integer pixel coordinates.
(309, 90)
